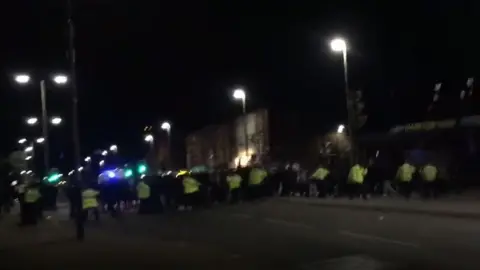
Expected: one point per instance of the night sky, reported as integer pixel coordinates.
(140, 62)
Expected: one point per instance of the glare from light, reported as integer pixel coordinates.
(28, 157)
(166, 126)
(101, 162)
(22, 78)
(239, 94)
(149, 138)
(340, 129)
(29, 149)
(88, 159)
(23, 172)
(113, 148)
(22, 141)
(111, 174)
(40, 140)
(338, 45)
(32, 121)
(56, 120)
(71, 172)
(80, 169)
(60, 79)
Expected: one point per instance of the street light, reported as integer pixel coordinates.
(32, 121)
(240, 94)
(101, 163)
(40, 140)
(104, 152)
(80, 169)
(339, 45)
(29, 149)
(88, 159)
(22, 141)
(167, 127)
(113, 148)
(58, 79)
(22, 78)
(56, 121)
(28, 157)
(148, 138)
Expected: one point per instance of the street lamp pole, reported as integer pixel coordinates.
(240, 94)
(46, 150)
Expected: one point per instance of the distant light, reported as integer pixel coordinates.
(80, 169)
(101, 163)
(23, 172)
(142, 176)
(22, 78)
(340, 129)
(104, 152)
(22, 141)
(142, 168)
(88, 159)
(60, 79)
(29, 149)
(32, 121)
(113, 148)
(338, 45)
(111, 174)
(71, 172)
(14, 182)
(40, 140)
(56, 120)
(166, 126)
(128, 173)
(239, 94)
(149, 138)
(28, 157)
(29, 172)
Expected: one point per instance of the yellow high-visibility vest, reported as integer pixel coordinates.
(405, 172)
(357, 174)
(190, 185)
(32, 195)
(143, 191)
(320, 174)
(257, 176)
(429, 173)
(234, 181)
(89, 198)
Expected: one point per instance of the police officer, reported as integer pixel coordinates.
(90, 203)
(191, 191)
(29, 214)
(404, 177)
(429, 174)
(234, 182)
(143, 194)
(356, 178)
(320, 178)
(256, 181)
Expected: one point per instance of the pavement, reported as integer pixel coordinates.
(272, 234)
(453, 206)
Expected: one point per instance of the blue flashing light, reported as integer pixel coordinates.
(111, 174)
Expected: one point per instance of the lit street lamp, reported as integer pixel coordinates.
(88, 159)
(22, 141)
(58, 79)
(340, 129)
(28, 157)
(29, 149)
(104, 152)
(339, 45)
(240, 94)
(80, 169)
(32, 121)
(167, 127)
(148, 138)
(113, 148)
(40, 140)
(101, 163)
(56, 121)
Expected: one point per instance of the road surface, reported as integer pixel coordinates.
(265, 235)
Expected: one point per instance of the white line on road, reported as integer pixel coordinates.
(288, 223)
(240, 215)
(377, 238)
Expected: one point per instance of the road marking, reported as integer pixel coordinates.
(377, 238)
(288, 223)
(240, 215)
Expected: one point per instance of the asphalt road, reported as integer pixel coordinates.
(264, 235)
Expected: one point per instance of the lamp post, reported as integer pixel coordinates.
(57, 79)
(339, 45)
(240, 94)
(168, 127)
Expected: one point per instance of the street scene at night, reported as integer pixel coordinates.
(198, 135)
